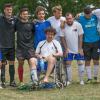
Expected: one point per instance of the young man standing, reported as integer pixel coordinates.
(91, 42)
(40, 25)
(56, 20)
(71, 37)
(25, 50)
(7, 42)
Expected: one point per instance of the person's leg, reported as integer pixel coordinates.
(0, 72)
(95, 56)
(51, 62)
(81, 71)
(96, 68)
(80, 63)
(12, 72)
(20, 69)
(11, 58)
(33, 70)
(3, 73)
(68, 59)
(88, 55)
(68, 72)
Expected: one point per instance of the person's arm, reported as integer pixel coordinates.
(80, 40)
(81, 44)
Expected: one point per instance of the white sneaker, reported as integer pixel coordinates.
(68, 83)
(1, 87)
(81, 82)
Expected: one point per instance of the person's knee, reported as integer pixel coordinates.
(96, 62)
(33, 62)
(87, 63)
(11, 62)
(80, 62)
(51, 59)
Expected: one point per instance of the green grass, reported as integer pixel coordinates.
(72, 92)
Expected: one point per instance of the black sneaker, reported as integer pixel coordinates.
(13, 84)
(3, 85)
(89, 81)
(35, 85)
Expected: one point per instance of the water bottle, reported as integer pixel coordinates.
(42, 64)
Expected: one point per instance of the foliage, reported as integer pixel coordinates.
(74, 6)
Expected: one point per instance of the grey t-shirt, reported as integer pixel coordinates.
(25, 32)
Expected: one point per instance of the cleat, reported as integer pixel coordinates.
(13, 84)
(3, 85)
(89, 81)
(81, 82)
(68, 83)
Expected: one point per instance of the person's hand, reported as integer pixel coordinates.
(81, 52)
(62, 25)
(65, 52)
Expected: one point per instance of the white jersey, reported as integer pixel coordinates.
(55, 23)
(97, 13)
(71, 34)
(46, 48)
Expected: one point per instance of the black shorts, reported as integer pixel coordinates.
(91, 50)
(25, 54)
(8, 54)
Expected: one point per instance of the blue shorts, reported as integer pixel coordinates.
(8, 54)
(39, 67)
(0, 56)
(72, 56)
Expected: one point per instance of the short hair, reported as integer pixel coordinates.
(57, 8)
(87, 9)
(38, 9)
(69, 13)
(50, 29)
(7, 5)
(24, 8)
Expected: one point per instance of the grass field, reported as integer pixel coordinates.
(72, 92)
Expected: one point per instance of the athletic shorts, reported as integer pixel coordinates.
(8, 54)
(0, 56)
(91, 51)
(25, 54)
(72, 56)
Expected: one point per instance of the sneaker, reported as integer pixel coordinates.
(21, 84)
(68, 83)
(0, 86)
(35, 85)
(3, 85)
(95, 80)
(81, 82)
(13, 84)
(89, 81)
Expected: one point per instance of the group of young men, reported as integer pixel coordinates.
(44, 39)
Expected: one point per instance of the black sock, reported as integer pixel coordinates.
(3, 73)
(11, 72)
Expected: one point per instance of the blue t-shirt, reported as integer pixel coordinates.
(39, 34)
(90, 28)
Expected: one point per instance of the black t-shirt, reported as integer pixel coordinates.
(25, 31)
(7, 32)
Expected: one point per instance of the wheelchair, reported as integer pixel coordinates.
(57, 74)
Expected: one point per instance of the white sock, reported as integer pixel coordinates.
(88, 70)
(69, 72)
(34, 75)
(96, 70)
(81, 71)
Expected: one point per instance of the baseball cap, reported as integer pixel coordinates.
(87, 9)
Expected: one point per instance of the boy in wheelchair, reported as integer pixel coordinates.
(48, 50)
